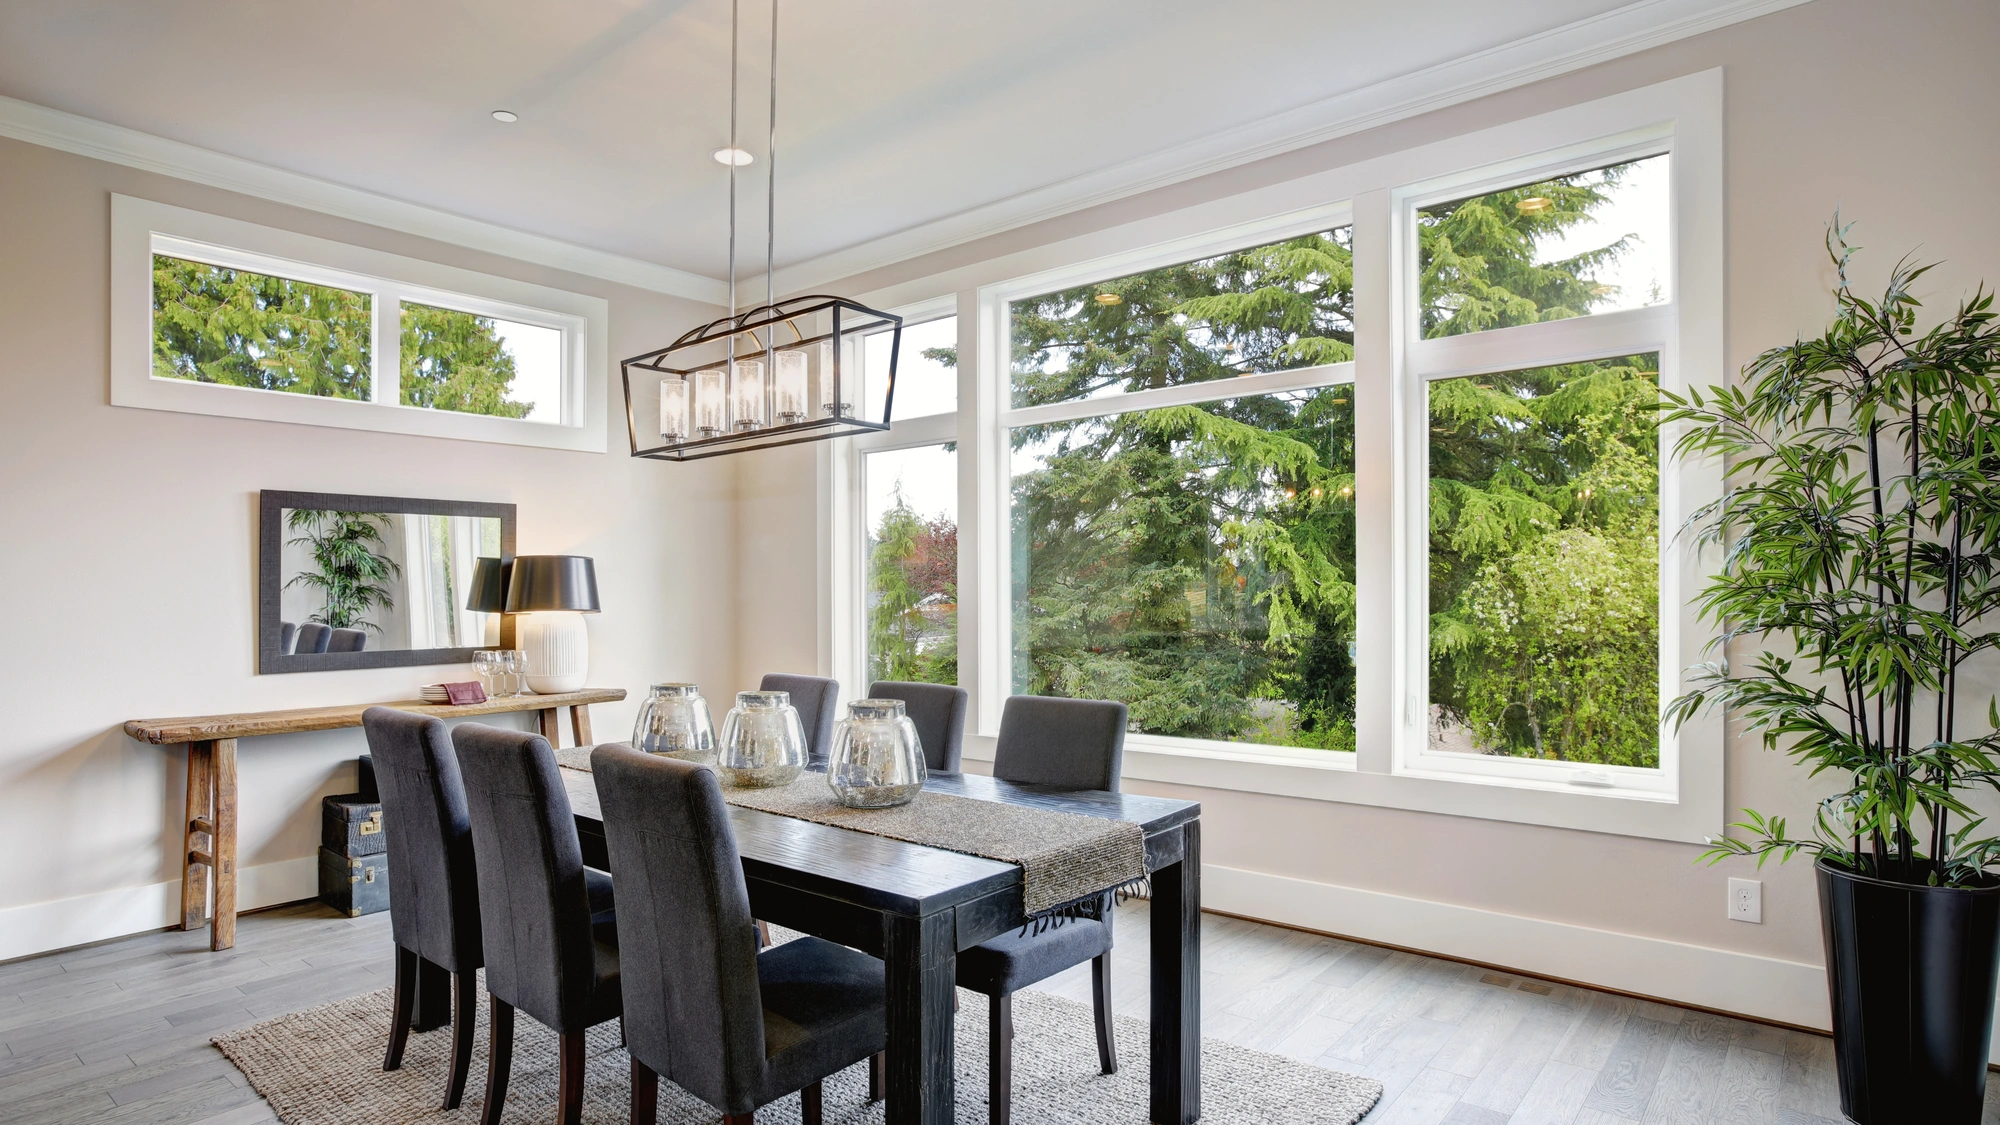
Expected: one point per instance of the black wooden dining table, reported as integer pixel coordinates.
(916, 907)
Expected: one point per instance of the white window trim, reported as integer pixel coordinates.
(1385, 371)
(141, 227)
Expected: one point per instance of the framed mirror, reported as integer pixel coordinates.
(378, 581)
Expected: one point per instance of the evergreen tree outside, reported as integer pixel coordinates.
(456, 361)
(913, 597)
(243, 329)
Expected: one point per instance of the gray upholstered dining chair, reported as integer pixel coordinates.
(1066, 744)
(313, 637)
(704, 1009)
(816, 698)
(938, 712)
(434, 914)
(347, 640)
(287, 633)
(546, 921)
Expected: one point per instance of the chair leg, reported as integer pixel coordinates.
(1100, 994)
(740, 1118)
(645, 1094)
(569, 1079)
(1000, 1069)
(878, 1086)
(465, 1013)
(433, 1008)
(499, 1060)
(405, 1003)
(811, 1105)
(763, 935)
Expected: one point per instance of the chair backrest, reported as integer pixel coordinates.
(687, 957)
(534, 910)
(1068, 743)
(347, 640)
(287, 633)
(435, 910)
(815, 697)
(937, 711)
(313, 637)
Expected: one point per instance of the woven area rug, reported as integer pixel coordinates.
(1064, 857)
(323, 1066)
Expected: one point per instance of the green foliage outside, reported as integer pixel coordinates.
(243, 329)
(913, 597)
(349, 575)
(456, 361)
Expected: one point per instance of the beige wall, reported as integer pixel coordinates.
(130, 548)
(1883, 110)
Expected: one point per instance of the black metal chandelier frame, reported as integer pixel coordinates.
(838, 422)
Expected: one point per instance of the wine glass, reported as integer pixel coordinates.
(515, 661)
(484, 666)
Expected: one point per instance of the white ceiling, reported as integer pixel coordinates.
(892, 113)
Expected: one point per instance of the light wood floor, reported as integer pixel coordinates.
(119, 1032)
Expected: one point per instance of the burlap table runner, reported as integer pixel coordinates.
(1066, 859)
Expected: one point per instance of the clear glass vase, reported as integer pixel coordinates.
(877, 760)
(763, 743)
(674, 722)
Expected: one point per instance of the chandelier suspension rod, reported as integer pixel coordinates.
(734, 7)
(771, 204)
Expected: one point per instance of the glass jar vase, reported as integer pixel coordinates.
(674, 722)
(877, 760)
(763, 743)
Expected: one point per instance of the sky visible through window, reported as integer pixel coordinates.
(537, 353)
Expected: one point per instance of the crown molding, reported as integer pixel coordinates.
(83, 136)
(1623, 31)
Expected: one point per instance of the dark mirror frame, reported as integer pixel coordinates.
(270, 583)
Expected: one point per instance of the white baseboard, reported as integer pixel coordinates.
(42, 926)
(1760, 987)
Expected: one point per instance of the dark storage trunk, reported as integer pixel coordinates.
(352, 825)
(1910, 972)
(354, 885)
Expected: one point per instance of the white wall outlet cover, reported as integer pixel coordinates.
(1746, 900)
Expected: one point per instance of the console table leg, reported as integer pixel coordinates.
(550, 719)
(579, 723)
(200, 821)
(223, 933)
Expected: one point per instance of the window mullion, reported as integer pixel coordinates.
(386, 347)
(1377, 511)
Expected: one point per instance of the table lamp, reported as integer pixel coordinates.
(554, 591)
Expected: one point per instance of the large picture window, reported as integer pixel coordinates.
(1350, 487)
(1194, 560)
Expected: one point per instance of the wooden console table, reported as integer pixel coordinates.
(211, 779)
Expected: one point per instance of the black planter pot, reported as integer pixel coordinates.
(1910, 972)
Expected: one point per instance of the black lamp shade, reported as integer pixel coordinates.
(489, 585)
(541, 583)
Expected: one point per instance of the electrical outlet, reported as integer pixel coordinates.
(1746, 900)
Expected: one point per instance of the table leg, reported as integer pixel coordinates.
(579, 723)
(1176, 959)
(200, 826)
(550, 719)
(920, 957)
(222, 933)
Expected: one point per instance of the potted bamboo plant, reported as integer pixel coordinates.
(1861, 536)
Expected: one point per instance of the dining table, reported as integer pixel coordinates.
(917, 907)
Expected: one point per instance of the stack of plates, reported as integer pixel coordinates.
(435, 693)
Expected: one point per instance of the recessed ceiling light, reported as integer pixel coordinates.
(1534, 205)
(1110, 299)
(506, 116)
(735, 156)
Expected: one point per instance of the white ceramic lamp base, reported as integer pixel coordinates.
(558, 648)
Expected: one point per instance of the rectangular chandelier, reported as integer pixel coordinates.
(721, 389)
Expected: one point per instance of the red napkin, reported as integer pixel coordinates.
(462, 694)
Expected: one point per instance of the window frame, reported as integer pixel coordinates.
(1390, 373)
(142, 228)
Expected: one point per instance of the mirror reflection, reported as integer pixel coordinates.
(375, 581)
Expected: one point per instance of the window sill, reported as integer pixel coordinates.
(1340, 778)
